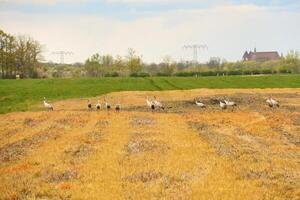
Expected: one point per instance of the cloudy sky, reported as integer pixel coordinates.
(155, 28)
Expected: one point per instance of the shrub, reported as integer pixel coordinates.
(266, 71)
(284, 71)
(144, 74)
(247, 72)
(235, 72)
(208, 73)
(162, 74)
(113, 74)
(256, 72)
(185, 74)
(141, 74)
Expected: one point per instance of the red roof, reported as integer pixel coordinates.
(261, 56)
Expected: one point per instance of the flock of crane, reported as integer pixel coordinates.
(154, 104)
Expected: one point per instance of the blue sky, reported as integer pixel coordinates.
(155, 28)
(123, 8)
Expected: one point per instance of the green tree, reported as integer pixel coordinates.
(92, 65)
(167, 67)
(292, 61)
(2, 52)
(134, 62)
(120, 66)
(28, 56)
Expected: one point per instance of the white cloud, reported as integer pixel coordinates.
(227, 30)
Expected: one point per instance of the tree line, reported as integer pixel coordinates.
(22, 55)
(19, 55)
(132, 65)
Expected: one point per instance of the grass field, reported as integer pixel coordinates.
(23, 95)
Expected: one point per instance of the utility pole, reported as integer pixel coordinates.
(195, 48)
(62, 55)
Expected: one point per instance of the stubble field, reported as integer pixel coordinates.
(182, 152)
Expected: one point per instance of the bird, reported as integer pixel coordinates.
(157, 103)
(272, 103)
(98, 105)
(47, 105)
(107, 105)
(269, 103)
(199, 104)
(275, 103)
(150, 104)
(118, 107)
(89, 105)
(230, 104)
(223, 105)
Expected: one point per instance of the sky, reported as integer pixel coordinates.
(155, 28)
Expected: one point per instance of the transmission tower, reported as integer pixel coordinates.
(195, 48)
(62, 55)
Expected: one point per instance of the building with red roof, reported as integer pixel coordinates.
(261, 56)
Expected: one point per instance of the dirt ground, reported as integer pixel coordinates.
(182, 152)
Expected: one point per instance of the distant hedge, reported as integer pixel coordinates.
(113, 74)
(142, 74)
(163, 74)
(233, 72)
(185, 74)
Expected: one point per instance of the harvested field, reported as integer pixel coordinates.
(182, 152)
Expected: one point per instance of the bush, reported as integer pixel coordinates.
(284, 71)
(142, 74)
(208, 73)
(113, 74)
(266, 71)
(236, 72)
(162, 74)
(185, 74)
(256, 72)
(247, 72)
(221, 73)
(252, 72)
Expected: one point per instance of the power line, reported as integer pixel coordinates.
(62, 55)
(195, 48)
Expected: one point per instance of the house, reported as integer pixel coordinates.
(261, 56)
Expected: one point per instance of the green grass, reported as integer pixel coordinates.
(21, 95)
